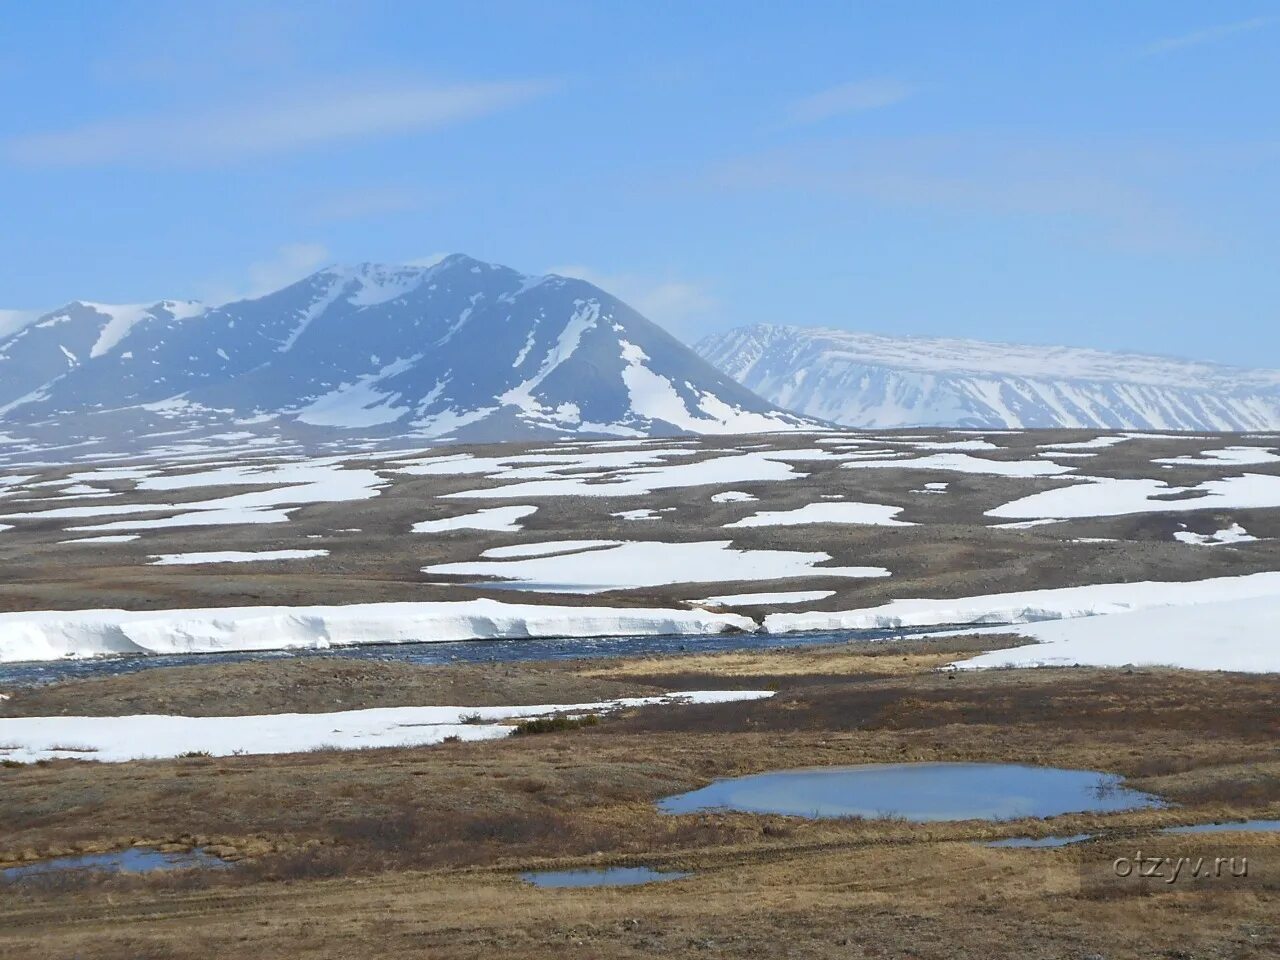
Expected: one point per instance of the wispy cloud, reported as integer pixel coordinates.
(430, 260)
(856, 96)
(295, 121)
(11, 321)
(289, 263)
(678, 305)
(1208, 35)
(365, 202)
(1109, 194)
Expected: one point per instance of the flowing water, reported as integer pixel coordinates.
(35, 673)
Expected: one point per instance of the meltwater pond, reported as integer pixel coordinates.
(608, 877)
(132, 860)
(919, 792)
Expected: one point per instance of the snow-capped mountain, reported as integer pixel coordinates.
(867, 380)
(48, 347)
(461, 349)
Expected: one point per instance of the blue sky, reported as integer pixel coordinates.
(1092, 173)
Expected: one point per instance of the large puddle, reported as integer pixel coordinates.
(133, 860)
(608, 877)
(1040, 842)
(918, 792)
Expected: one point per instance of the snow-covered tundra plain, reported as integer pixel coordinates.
(231, 545)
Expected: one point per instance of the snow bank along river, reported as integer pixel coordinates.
(1226, 623)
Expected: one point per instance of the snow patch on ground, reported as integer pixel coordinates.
(732, 496)
(120, 739)
(1109, 497)
(1232, 534)
(870, 514)
(764, 599)
(643, 513)
(1029, 606)
(633, 564)
(118, 538)
(1095, 444)
(1229, 634)
(1226, 457)
(546, 549)
(233, 556)
(964, 463)
(932, 488)
(498, 519)
(319, 481)
(640, 481)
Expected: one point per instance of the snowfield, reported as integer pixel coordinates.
(966, 463)
(1030, 606)
(764, 599)
(147, 737)
(51, 635)
(1235, 634)
(633, 564)
(1107, 497)
(1224, 537)
(500, 519)
(868, 514)
(233, 556)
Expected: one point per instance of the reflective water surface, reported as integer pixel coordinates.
(36, 673)
(609, 877)
(132, 860)
(1040, 841)
(918, 792)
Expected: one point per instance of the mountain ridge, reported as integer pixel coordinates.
(874, 380)
(459, 349)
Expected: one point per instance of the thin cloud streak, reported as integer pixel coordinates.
(368, 202)
(1207, 35)
(856, 96)
(1101, 193)
(277, 125)
(288, 264)
(674, 304)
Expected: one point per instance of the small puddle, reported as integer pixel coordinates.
(1040, 841)
(133, 860)
(609, 877)
(1239, 826)
(919, 792)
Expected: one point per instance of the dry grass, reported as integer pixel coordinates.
(312, 685)
(412, 852)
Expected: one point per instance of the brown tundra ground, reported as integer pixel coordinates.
(417, 852)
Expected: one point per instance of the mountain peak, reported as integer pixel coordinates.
(460, 348)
